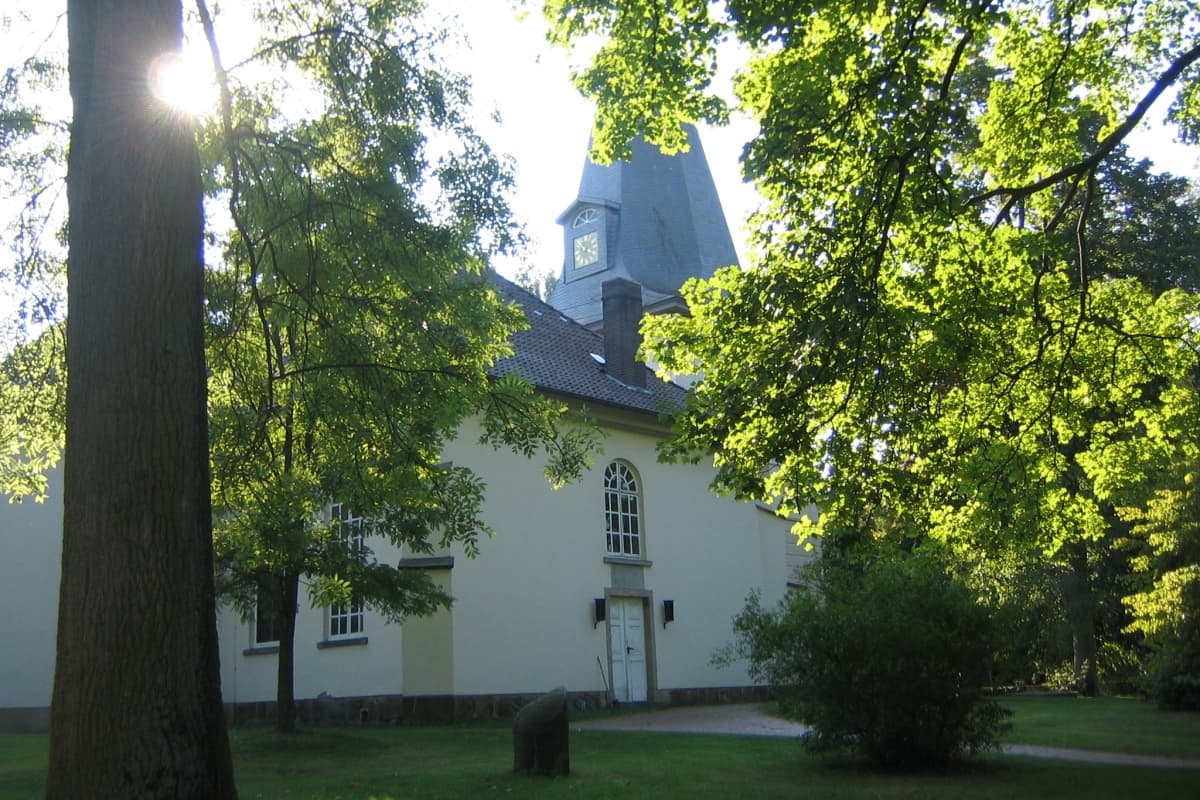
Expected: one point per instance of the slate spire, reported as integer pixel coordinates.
(655, 220)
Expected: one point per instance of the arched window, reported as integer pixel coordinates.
(584, 217)
(622, 511)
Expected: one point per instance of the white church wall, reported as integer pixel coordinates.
(374, 667)
(428, 647)
(523, 616)
(708, 554)
(522, 613)
(524, 608)
(31, 542)
(244, 678)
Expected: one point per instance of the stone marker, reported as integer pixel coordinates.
(540, 736)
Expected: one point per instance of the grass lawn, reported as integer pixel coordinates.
(1118, 724)
(472, 761)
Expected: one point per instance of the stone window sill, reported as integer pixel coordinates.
(426, 562)
(261, 650)
(632, 562)
(355, 642)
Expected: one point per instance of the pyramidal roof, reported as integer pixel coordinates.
(664, 225)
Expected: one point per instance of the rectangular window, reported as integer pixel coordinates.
(351, 524)
(266, 624)
(347, 620)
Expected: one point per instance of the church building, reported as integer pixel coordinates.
(618, 587)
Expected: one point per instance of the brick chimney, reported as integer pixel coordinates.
(622, 299)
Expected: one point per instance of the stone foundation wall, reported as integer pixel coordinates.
(722, 695)
(441, 709)
(425, 710)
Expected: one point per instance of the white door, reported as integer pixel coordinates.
(627, 635)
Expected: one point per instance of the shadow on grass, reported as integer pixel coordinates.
(971, 766)
(470, 763)
(341, 743)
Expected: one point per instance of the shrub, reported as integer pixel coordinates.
(1173, 668)
(1173, 677)
(1120, 667)
(889, 659)
(1060, 678)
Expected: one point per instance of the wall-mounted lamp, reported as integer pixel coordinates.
(668, 612)
(597, 611)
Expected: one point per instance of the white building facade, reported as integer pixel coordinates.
(619, 587)
(547, 602)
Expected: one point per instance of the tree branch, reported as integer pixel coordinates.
(1110, 142)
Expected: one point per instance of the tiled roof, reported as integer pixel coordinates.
(671, 226)
(558, 355)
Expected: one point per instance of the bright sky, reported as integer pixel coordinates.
(545, 122)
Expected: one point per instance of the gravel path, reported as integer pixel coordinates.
(749, 720)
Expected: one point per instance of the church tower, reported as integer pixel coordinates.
(655, 220)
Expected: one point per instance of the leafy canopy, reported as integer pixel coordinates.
(352, 319)
(353, 211)
(927, 341)
(33, 137)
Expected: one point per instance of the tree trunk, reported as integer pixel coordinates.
(1081, 614)
(136, 710)
(285, 687)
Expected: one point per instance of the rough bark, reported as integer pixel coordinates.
(1081, 615)
(136, 710)
(285, 686)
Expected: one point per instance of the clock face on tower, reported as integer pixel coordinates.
(587, 249)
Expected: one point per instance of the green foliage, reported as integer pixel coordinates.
(1173, 673)
(891, 660)
(1149, 226)
(32, 399)
(957, 321)
(1028, 610)
(673, 42)
(32, 258)
(352, 320)
(1173, 668)
(1121, 668)
(1165, 603)
(1060, 677)
(33, 138)
(537, 283)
